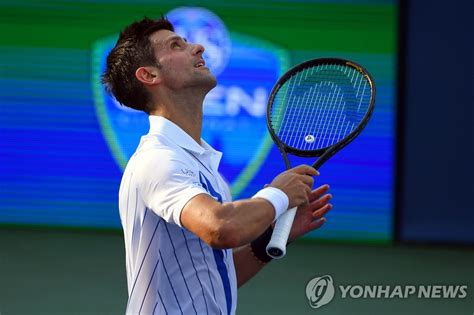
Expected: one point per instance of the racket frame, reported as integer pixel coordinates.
(275, 248)
(324, 153)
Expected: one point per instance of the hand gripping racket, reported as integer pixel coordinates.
(315, 109)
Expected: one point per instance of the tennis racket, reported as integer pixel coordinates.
(315, 109)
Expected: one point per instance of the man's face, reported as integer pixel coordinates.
(182, 65)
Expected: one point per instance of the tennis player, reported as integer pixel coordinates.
(188, 245)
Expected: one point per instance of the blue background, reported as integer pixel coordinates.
(58, 163)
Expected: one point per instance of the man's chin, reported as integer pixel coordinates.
(203, 83)
(210, 82)
(214, 82)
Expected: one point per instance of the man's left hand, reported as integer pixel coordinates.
(312, 215)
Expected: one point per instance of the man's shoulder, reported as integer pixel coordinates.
(156, 152)
(154, 142)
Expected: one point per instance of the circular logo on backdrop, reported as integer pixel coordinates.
(203, 27)
(320, 291)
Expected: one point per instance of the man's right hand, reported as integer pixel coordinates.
(296, 183)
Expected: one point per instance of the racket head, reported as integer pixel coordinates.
(320, 105)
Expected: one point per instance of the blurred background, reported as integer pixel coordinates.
(403, 211)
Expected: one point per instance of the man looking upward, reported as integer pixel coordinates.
(188, 245)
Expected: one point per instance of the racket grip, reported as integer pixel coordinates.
(276, 248)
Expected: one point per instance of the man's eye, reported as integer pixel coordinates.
(174, 44)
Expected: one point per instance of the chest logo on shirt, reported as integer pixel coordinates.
(188, 172)
(234, 120)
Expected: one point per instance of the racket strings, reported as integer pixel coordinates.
(318, 106)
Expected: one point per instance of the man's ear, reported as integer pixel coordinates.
(148, 75)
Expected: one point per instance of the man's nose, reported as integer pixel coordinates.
(198, 49)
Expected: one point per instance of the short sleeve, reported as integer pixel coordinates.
(167, 182)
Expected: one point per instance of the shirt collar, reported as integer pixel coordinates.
(165, 127)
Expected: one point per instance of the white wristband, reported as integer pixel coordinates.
(276, 197)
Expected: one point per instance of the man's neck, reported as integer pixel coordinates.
(184, 112)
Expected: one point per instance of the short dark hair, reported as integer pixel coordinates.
(132, 51)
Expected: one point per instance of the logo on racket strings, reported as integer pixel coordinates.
(320, 291)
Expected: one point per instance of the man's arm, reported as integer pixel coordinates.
(246, 264)
(234, 224)
(227, 225)
(308, 218)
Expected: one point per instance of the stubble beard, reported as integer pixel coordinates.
(206, 83)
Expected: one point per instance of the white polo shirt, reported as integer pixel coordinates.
(169, 269)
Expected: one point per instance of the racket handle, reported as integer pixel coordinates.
(276, 248)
